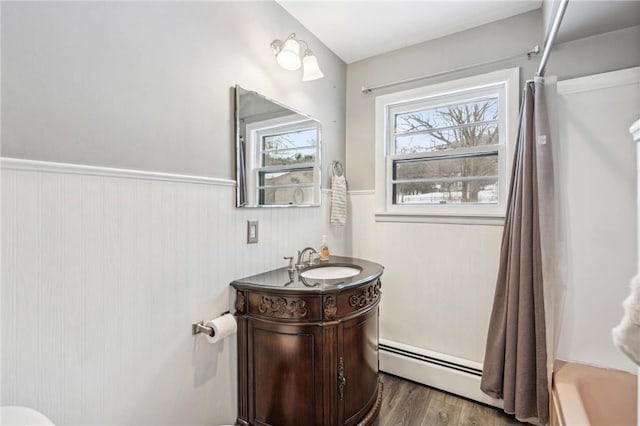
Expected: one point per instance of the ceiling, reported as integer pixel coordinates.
(355, 30)
(358, 29)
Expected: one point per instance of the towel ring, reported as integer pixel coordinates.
(336, 168)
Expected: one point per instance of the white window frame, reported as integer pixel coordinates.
(254, 133)
(506, 84)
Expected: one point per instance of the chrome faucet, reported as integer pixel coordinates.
(301, 254)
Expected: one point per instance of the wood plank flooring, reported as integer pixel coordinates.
(411, 404)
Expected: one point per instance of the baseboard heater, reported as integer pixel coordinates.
(442, 371)
(431, 360)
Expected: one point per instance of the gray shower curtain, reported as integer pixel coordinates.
(515, 362)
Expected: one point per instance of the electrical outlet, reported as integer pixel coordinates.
(252, 232)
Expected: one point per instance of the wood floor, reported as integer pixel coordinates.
(412, 404)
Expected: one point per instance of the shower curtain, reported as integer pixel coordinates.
(519, 350)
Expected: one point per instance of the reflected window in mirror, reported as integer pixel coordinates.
(278, 153)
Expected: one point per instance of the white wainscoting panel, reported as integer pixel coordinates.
(438, 281)
(103, 274)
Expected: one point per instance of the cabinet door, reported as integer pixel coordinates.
(359, 356)
(285, 371)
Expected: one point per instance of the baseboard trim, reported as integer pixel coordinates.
(438, 373)
(432, 360)
(20, 164)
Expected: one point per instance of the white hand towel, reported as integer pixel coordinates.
(626, 335)
(338, 200)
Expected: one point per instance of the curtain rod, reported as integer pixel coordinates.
(551, 38)
(533, 51)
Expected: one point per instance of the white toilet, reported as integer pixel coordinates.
(12, 415)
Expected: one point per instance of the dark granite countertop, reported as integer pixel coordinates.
(283, 281)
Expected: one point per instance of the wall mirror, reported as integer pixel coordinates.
(277, 154)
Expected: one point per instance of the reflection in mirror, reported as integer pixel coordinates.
(277, 154)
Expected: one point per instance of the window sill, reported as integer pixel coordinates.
(490, 220)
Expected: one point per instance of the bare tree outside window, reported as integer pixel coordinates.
(289, 148)
(464, 176)
(286, 173)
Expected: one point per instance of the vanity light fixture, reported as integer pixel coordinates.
(288, 56)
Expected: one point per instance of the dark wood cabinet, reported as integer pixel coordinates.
(359, 354)
(284, 373)
(308, 358)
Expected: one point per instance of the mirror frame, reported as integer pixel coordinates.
(239, 156)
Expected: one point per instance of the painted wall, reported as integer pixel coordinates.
(439, 277)
(549, 9)
(503, 38)
(113, 267)
(147, 85)
(442, 276)
(583, 19)
(597, 54)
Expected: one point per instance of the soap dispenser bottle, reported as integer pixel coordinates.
(324, 249)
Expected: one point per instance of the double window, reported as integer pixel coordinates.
(445, 150)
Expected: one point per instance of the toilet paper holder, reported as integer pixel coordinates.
(199, 327)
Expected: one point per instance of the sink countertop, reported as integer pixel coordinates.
(282, 280)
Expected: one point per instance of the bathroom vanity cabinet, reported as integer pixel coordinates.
(308, 349)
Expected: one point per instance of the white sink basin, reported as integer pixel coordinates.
(330, 272)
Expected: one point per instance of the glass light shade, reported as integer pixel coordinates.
(289, 55)
(310, 68)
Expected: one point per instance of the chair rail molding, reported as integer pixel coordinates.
(7, 163)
